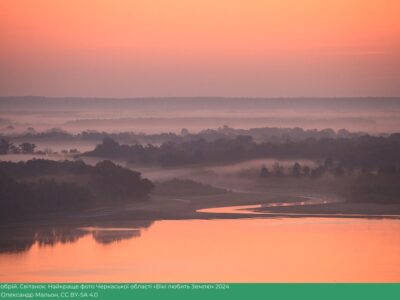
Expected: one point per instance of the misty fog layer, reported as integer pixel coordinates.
(155, 115)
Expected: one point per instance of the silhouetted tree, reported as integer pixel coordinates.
(111, 180)
(4, 146)
(277, 169)
(318, 172)
(306, 170)
(264, 171)
(184, 132)
(27, 148)
(296, 170)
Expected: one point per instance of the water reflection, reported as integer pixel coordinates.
(111, 236)
(22, 238)
(263, 210)
(228, 250)
(253, 209)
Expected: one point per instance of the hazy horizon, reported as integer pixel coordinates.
(157, 115)
(242, 97)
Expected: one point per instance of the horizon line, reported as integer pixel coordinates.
(198, 97)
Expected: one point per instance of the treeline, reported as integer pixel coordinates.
(265, 134)
(381, 185)
(57, 134)
(375, 188)
(305, 171)
(41, 187)
(361, 152)
(327, 167)
(278, 134)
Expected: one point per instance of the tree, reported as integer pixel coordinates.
(108, 147)
(184, 132)
(5, 146)
(264, 172)
(296, 170)
(27, 148)
(278, 169)
(114, 181)
(328, 163)
(318, 172)
(14, 149)
(306, 170)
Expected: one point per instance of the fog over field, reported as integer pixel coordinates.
(156, 115)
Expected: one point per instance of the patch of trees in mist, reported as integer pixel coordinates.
(356, 184)
(7, 147)
(42, 187)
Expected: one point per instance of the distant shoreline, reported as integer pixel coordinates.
(172, 208)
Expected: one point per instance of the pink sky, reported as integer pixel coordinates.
(257, 48)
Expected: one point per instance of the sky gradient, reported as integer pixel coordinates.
(255, 48)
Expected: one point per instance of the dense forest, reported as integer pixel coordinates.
(42, 187)
(369, 152)
(264, 134)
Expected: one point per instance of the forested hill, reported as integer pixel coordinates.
(42, 187)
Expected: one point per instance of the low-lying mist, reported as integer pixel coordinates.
(155, 115)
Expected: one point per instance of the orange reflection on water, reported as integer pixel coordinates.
(241, 250)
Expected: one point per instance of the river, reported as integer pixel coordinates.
(289, 249)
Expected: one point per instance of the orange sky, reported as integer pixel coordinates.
(200, 47)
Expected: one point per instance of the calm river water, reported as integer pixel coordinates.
(238, 250)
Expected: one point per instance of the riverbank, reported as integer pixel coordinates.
(267, 205)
